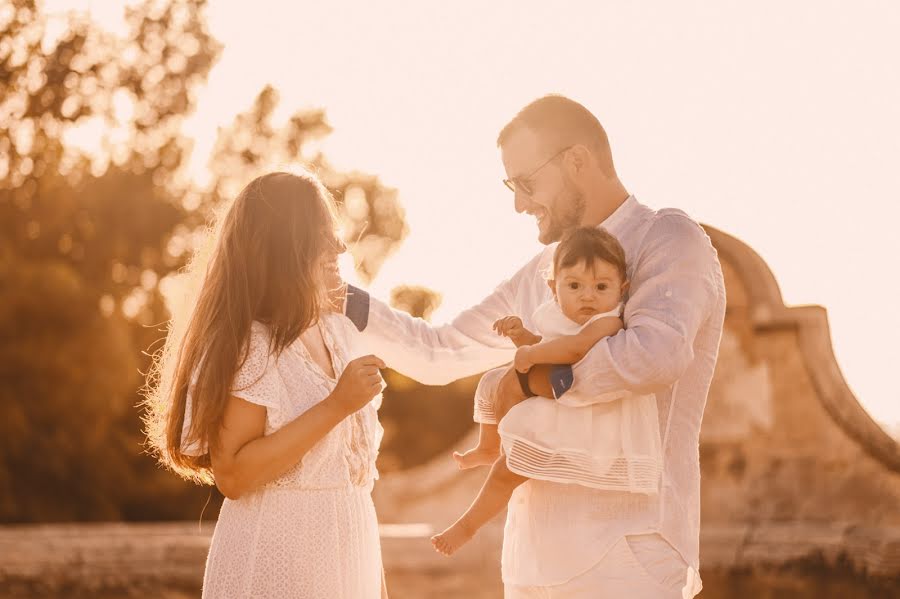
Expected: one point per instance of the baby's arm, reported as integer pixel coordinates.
(512, 327)
(568, 349)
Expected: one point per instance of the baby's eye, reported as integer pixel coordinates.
(573, 286)
(601, 286)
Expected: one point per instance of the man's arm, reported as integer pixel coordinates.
(567, 349)
(437, 355)
(675, 288)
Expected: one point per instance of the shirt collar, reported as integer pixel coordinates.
(622, 214)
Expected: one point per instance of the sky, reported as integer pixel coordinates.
(776, 122)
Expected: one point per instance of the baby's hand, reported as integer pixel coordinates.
(523, 361)
(512, 327)
(509, 326)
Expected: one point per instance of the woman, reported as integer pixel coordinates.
(261, 391)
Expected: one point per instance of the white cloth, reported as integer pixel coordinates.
(313, 531)
(635, 567)
(673, 318)
(551, 323)
(612, 445)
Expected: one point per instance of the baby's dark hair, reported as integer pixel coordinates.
(586, 244)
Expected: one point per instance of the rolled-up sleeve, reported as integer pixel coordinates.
(673, 293)
(437, 355)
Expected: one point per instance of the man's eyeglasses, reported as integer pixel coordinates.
(518, 184)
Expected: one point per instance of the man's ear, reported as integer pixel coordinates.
(578, 157)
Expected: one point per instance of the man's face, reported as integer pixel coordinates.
(555, 201)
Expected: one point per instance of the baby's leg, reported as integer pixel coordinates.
(483, 454)
(493, 497)
(488, 448)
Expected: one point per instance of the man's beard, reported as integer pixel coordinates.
(567, 212)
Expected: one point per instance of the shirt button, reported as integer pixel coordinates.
(668, 294)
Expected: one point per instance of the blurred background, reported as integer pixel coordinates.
(123, 125)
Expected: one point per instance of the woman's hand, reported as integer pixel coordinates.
(523, 361)
(359, 383)
(246, 458)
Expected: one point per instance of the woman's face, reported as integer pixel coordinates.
(331, 275)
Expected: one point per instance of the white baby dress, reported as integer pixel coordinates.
(613, 445)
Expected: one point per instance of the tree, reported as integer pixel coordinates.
(418, 301)
(83, 245)
(88, 238)
(373, 220)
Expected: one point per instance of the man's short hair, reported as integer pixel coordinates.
(560, 122)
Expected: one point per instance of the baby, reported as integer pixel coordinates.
(610, 445)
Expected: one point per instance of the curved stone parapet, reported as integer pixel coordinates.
(811, 322)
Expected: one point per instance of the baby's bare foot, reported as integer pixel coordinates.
(452, 539)
(477, 456)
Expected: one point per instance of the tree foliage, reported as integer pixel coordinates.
(88, 238)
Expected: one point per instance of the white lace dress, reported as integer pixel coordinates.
(312, 533)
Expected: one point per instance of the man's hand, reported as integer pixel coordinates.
(539, 380)
(509, 393)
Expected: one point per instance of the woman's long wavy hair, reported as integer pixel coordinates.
(262, 261)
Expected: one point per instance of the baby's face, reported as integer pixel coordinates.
(584, 289)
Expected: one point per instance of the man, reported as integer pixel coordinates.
(568, 540)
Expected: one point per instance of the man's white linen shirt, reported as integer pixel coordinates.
(673, 318)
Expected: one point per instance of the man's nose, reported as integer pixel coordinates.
(522, 202)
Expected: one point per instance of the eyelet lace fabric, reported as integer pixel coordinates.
(312, 532)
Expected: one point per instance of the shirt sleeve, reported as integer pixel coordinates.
(437, 355)
(673, 293)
